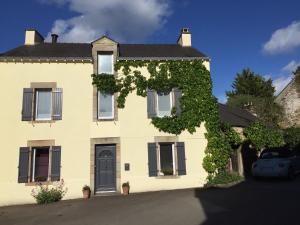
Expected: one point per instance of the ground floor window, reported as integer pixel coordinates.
(166, 159)
(40, 164)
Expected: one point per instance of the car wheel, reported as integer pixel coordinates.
(291, 174)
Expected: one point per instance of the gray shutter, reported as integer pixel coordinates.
(181, 158)
(27, 104)
(151, 106)
(152, 160)
(177, 97)
(57, 104)
(23, 165)
(55, 163)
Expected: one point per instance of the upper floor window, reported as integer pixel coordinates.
(164, 104)
(161, 104)
(43, 104)
(105, 63)
(105, 106)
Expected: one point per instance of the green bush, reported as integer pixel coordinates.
(223, 178)
(292, 137)
(44, 195)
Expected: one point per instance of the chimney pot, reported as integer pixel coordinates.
(54, 38)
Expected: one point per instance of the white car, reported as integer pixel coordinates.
(277, 163)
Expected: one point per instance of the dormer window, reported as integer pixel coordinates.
(105, 62)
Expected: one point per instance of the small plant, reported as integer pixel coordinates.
(86, 190)
(125, 188)
(168, 171)
(44, 195)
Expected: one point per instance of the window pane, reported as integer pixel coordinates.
(41, 164)
(105, 64)
(164, 104)
(166, 159)
(43, 105)
(105, 105)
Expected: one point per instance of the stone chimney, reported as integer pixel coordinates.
(33, 37)
(185, 38)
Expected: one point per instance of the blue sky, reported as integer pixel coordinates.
(263, 35)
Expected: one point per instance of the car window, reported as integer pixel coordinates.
(269, 155)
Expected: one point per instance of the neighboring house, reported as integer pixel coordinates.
(238, 119)
(289, 99)
(56, 125)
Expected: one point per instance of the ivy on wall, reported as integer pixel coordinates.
(197, 102)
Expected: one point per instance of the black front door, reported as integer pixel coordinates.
(105, 170)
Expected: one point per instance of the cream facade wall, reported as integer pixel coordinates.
(76, 129)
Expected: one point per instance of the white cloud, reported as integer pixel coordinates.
(280, 83)
(291, 67)
(123, 20)
(284, 39)
(222, 99)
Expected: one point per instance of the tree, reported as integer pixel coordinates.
(256, 94)
(260, 136)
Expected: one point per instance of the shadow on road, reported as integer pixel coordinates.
(266, 202)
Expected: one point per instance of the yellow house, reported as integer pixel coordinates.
(56, 125)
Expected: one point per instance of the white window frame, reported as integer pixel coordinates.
(33, 163)
(36, 105)
(171, 104)
(113, 108)
(160, 173)
(112, 63)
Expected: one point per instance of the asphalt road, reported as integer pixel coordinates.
(266, 202)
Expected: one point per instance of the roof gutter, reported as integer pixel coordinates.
(46, 59)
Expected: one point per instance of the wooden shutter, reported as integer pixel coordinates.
(23, 165)
(152, 159)
(55, 163)
(151, 103)
(57, 104)
(177, 97)
(27, 104)
(181, 158)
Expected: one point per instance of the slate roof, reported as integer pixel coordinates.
(84, 50)
(234, 116)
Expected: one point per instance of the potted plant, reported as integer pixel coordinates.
(86, 191)
(125, 188)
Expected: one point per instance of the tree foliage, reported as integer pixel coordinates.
(256, 94)
(260, 136)
(292, 138)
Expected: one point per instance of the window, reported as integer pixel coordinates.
(40, 164)
(43, 104)
(164, 104)
(105, 106)
(105, 63)
(166, 159)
